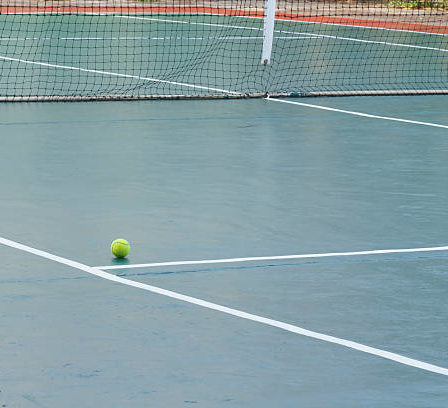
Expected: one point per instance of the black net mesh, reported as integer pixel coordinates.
(66, 50)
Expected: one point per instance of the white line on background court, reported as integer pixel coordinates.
(115, 74)
(234, 312)
(283, 20)
(366, 115)
(312, 35)
(167, 38)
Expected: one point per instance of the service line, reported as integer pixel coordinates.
(273, 258)
(234, 312)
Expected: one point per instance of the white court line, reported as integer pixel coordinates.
(108, 14)
(273, 258)
(366, 27)
(292, 36)
(281, 20)
(367, 115)
(225, 38)
(284, 20)
(303, 35)
(234, 312)
(164, 20)
(312, 35)
(336, 37)
(94, 71)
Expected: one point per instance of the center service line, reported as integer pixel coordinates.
(234, 312)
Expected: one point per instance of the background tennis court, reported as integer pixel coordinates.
(155, 50)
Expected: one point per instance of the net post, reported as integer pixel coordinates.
(268, 31)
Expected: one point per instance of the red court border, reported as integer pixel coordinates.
(130, 10)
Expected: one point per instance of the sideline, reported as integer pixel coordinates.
(248, 316)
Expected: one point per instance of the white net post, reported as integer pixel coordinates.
(268, 31)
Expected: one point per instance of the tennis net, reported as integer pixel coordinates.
(118, 49)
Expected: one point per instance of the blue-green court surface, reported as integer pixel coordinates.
(201, 180)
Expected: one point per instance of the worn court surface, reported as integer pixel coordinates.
(204, 180)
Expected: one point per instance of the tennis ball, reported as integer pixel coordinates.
(120, 248)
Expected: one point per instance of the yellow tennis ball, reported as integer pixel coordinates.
(120, 248)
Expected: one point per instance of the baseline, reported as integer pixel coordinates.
(234, 312)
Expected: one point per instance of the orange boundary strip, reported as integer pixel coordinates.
(396, 25)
